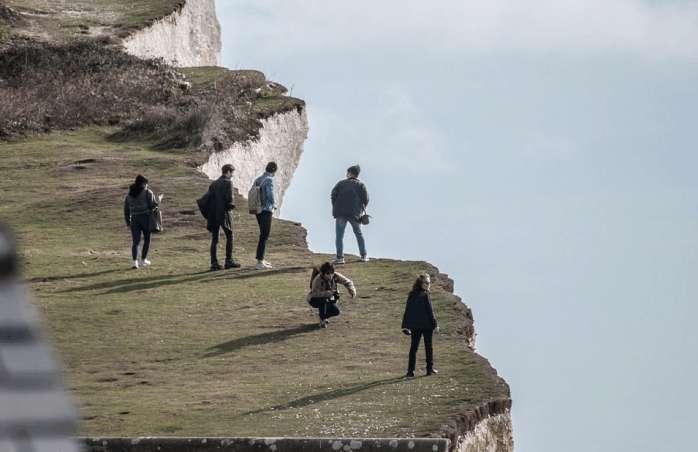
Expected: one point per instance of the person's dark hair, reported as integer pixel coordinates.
(227, 168)
(354, 170)
(271, 167)
(417, 286)
(138, 186)
(326, 268)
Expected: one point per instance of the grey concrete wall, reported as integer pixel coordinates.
(169, 444)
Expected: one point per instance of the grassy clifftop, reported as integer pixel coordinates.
(62, 21)
(174, 349)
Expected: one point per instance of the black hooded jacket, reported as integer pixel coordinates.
(139, 201)
(419, 313)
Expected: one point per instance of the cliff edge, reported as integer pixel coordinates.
(173, 349)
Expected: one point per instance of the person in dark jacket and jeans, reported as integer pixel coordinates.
(138, 207)
(349, 201)
(418, 322)
(266, 185)
(221, 204)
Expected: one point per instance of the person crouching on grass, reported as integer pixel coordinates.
(418, 322)
(323, 291)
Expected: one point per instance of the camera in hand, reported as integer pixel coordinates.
(335, 297)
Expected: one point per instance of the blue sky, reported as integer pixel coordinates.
(543, 154)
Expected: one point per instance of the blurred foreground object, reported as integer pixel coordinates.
(35, 413)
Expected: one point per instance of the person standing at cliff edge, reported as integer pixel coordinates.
(349, 201)
(221, 203)
(267, 205)
(419, 321)
(138, 209)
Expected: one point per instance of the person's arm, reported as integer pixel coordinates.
(404, 316)
(346, 282)
(333, 195)
(268, 192)
(127, 212)
(364, 194)
(430, 312)
(229, 196)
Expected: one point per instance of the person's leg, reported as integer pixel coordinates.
(145, 227)
(264, 222)
(356, 227)
(322, 310)
(228, 245)
(214, 245)
(332, 310)
(428, 349)
(414, 346)
(341, 224)
(135, 239)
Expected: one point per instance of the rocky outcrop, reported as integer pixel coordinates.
(189, 36)
(492, 434)
(280, 139)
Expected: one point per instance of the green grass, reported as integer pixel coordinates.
(176, 350)
(64, 19)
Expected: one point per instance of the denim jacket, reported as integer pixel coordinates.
(266, 182)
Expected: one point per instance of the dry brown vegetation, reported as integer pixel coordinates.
(93, 82)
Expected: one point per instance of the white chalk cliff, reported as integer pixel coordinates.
(493, 434)
(281, 139)
(188, 37)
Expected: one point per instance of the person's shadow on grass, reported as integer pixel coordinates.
(328, 395)
(258, 339)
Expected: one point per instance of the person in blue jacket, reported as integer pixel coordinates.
(419, 321)
(266, 185)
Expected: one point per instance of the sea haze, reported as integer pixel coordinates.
(545, 158)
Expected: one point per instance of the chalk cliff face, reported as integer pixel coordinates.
(280, 139)
(188, 37)
(493, 434)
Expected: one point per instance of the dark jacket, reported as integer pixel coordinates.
(349, 198)
(419, 314)
(139, 201)
(221, 203)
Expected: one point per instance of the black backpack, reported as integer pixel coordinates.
(204, 204)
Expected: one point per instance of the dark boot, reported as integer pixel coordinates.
(215, 266)
(231, 264)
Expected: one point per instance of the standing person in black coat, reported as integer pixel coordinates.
(221, 205)
(138, 208)
(418, 322)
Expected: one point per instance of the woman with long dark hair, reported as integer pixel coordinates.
(419, 321)
(138, 209)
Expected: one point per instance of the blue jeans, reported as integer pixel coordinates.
(356, 227)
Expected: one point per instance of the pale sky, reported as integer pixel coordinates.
(543, 154)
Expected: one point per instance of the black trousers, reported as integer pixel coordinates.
(328, 309)
(140, 224)
(416, 336)
(264, 222)
(228, 244)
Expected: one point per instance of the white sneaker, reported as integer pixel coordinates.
(261, 265)
(323, 324)
(145, 263)
(364, 258)
(338, 261)
(135, 264)
(267, 264)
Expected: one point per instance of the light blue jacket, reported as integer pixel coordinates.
(266, 182)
